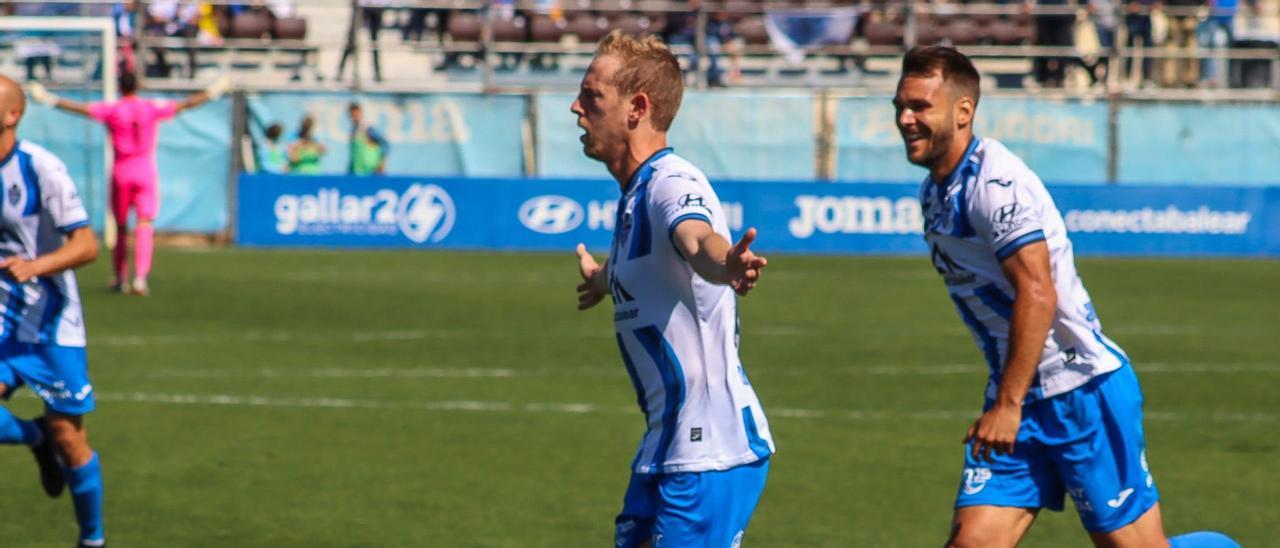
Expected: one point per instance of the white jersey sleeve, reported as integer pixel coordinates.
(1006, 211)
(61, 199)
(678, 197)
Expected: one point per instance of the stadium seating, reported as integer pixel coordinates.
(1001, 38)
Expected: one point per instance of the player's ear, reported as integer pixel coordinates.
(965, 108)
(638, 108)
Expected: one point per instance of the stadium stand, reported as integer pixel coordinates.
(515, 43)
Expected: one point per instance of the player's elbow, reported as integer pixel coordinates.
(1043, 294)
(88, 248)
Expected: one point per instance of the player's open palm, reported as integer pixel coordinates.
(742, 265)
(592, 289)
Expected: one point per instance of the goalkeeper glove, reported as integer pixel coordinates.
(41, 95)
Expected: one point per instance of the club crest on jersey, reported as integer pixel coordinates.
(14, 196)
(975, 479)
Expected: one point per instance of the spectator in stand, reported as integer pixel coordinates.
(1137, 21)
(281, 9)
(1053, 30)
(1102, 15)
(39, 48)
(368, 148)
(305, 153)
(1215, 33)
(681, 29)
(1182, 70)
(207, 33)
(172, 19)
(416, 24)
(124, 15)
(371, 13)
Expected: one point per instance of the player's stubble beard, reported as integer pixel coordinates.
(939, 141)
(595, 144)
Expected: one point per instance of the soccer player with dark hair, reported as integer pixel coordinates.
(672, 274)
(1063, 412)
(134, 126)
(44, 234)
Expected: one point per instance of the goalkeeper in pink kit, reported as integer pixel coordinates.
(133, 123)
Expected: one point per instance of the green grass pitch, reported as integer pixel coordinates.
(275, 399)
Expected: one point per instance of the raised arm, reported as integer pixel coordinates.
(212, 93)
(715, 259)
(41, 95)
(1034, 304)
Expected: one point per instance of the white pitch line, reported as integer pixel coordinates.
(338, 373)
(609, 370)
(592, 409)
(276, 337)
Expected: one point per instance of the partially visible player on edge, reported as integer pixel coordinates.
(1063, 411)
(672, 274)
(133, 123)
(44, 233)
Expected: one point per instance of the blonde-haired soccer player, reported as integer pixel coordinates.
(672, 275)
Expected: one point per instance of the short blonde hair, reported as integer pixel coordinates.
(647, 66)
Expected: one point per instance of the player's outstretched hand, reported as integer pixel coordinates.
(17, 268)
(997, 429)
(41, 95)
(589, 292)
(742, 265)
(219, 87)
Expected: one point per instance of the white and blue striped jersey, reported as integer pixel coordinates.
(678, 333)
(40, 206)
(990, 207)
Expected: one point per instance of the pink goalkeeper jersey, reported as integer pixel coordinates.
(134, 124)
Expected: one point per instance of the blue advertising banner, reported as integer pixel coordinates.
(192, 152)
(1200, 144)
(455, 134)
(730, 135)
(528, 214)
(1063, 141)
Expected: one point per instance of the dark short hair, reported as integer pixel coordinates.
(956, 68)
(275, 131)
(128, 83)
(353, 106)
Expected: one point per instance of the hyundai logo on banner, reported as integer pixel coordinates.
(551, 214)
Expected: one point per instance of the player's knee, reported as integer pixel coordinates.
(145, 222)
(979, 537)
(68, 436)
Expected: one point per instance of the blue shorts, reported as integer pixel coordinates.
(1087, 443)
(706, 509)
(58, 374)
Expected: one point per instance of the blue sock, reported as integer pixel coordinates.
(15, 430)
(85, 483)
(1203, 539)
